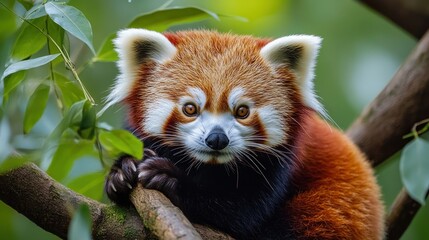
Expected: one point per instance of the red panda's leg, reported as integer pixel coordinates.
(153, 172)
(161, 174)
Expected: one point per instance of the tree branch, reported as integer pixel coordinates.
(378, 131)
(31, 192)
(401, 214)
(167, 220)
(411, 15)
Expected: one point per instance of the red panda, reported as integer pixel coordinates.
(233, 137)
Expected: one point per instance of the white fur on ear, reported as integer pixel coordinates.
(299, 53)
(135, 47)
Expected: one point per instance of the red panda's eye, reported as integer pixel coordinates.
(242, 112)
(190, 110)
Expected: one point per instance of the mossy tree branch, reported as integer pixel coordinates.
(166, 220)
(31, 192)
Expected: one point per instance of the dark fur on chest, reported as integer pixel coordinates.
(244, 200)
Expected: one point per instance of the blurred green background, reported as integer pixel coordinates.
(360, 53)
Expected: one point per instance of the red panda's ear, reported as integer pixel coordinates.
(297, 52)
(135, 47)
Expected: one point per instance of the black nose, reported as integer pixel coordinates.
(217, 139)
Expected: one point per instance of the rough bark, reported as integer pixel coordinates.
(401, 214)
(379, 130)
(166, 220)
(31, 192)
(410, 15)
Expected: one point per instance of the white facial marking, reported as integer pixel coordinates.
(234, 96)
(273, 125)
(241, 137)
(193, 136)
(155, 120)
(198, 96)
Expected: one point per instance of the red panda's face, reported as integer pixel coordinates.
(215, 98)
(235, 128)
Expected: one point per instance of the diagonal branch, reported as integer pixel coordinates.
(31, 192)
(167, 220)
(401, 214)
(410, 15)
(379, 130)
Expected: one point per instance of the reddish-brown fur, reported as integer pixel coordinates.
(336, 194)
(338, 197)
(216, 65)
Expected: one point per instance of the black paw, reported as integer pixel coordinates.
(121, 180)
(162, 175)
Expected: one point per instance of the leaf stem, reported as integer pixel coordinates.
(424, 129)
(51, 68)
(63, 53)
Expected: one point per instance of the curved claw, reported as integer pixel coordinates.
(121, 179)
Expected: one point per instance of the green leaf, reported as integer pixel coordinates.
(30, 40)
(57, 35)
(161, 20)
(35, 107)
(67, 153)
(70, 91)
(236, 18)
(158, 20)
(8, 21)
(425, 135)
(414, 168)
(11, 82)
(27, 3)
(121, 141)
(12, 162)
(36, 11)
(28, 64)
(90, 185)
(72, 20)
(80, 226)
(72, 117)
(87, 125)
(5, 137)
(106, 52)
